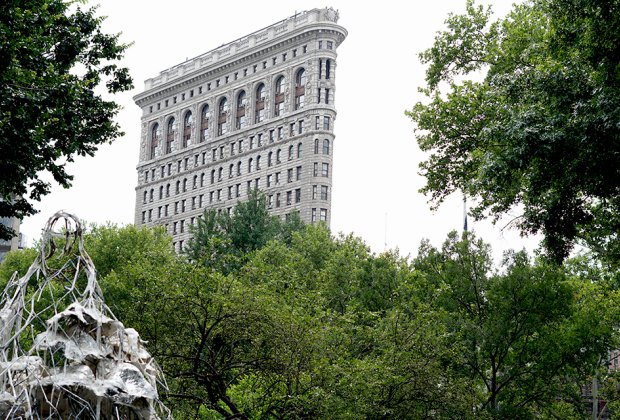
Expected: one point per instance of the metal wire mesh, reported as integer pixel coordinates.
(63, 353)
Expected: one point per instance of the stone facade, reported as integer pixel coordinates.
(255, 113)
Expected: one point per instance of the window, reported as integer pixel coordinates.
(219, 195)
(259, 106)
(176, 207)
(212, 176)
(320, 73)
(258, 163)
(259, 139)
(161, 192)
(230, 192)
(326, 123)
(328, 65)
(187, 128)
(323, 192)
(169, 169)
(240, 120)
(195, 182)
(166, 210)
(200, 199)
(277, 178)
(289, 198)
(193, 203)
(185, 163)
(221, 118)
(238, 190)
(145, 195)
(291, 152)
(294, 53)
(204, 123)
(291, 131)
(298, 150)
(304, 49)
(240, 148)
(231, 170)
(163, 171)
(184, 184)
(182, 225)
(314, 192)
(300, 88)
(278, 155)
(202, 179)
(178, 188)
(167, 190)
(278, 200)
(256, 183)
(298, 174)
(326, 96)
(249, 188)
(298, 195)
(170, 135)
(249, 165)
(239, 168)
(313, 215)
(317, 123)
(320, 44)
(251, 142)
(269, 178)
(183, 206)
(154, 139)
(174, 228)
(151, 195)
(232, 149)
(300, 126)
(289, 177)
(315, 171)
(221, 152)
(220, 173)
(211, 197)
(269, 156)
(270, 201)
(325, 170)
(279, 97)
(329, 45)
(326, 147)
(204, 158)
(195, 161)
(323, 215)
(316, 146)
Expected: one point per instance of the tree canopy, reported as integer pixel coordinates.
(53, 57)
(539, 131)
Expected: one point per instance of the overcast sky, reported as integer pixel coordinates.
(375, 178)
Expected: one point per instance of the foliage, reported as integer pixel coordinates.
(540, 131)
(53, 57)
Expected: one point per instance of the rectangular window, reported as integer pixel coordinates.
(150, 215)
(271, 136)
(240, 148)
(327, 96)
(221, 152)
(277, 178)
(278, 200)
(315, 171)
(230, 192)
(290, 175)
(144, 217)
(314, 192)
(329, 45)
(238, 190)
(298, 174)
(257, 183)
(317, 123)
(249, 187)
(159, 212)
(219, 195)
(204, 158)
(199, 90)
(270, 201)
(289, 198)
(300, 126)
(298, 195)
(325, 170)
(269, 177)
(259, 139)
(323, 192)
(163, 169)
(182, 96)
(251, 142)
(291, 131)
(166, 103)
(185, 163)
(304, 49)
(211, 197)
(166, 210)
(323, 215)
(183, 206)
(200, 199)
(176, 207)
(313, 215)
(182, 226)
(320, 44)
(232, 149)
(279, 133)
(193, 203)
(319, 99)
(174, 228)
(325, 123)
(169, 169)
(295, 53)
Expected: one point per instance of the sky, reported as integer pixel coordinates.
(375, 175)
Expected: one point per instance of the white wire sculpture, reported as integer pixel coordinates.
(63, 353)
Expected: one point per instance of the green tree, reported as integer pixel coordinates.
(527, 334)
(52, 59)
(540, 130)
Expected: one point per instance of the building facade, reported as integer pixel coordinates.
(254, 113)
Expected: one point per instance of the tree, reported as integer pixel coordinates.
(52, 59)
(527, 335)
(541, 131)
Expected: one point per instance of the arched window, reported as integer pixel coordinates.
(178, 187)
(231, 170)
(316, 146)
(187, 128)
(151, 195)
(220, 172)
(298, 150)
(167, 190)
(202, 179)
(269, 156)
(195, 183)
(278, 156)
(279, 97)
(326, 147)
(300, 88)
(239, 168)
(250, 165)
(240, 121)
(161, 192)
(204, 123)
(145, 195)
(184, 184)
(212, 176)
(258, 162)
(221, 117)
(170, 134)
(328, 65)
(259, 106)
(291, 151)
(154, 139)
